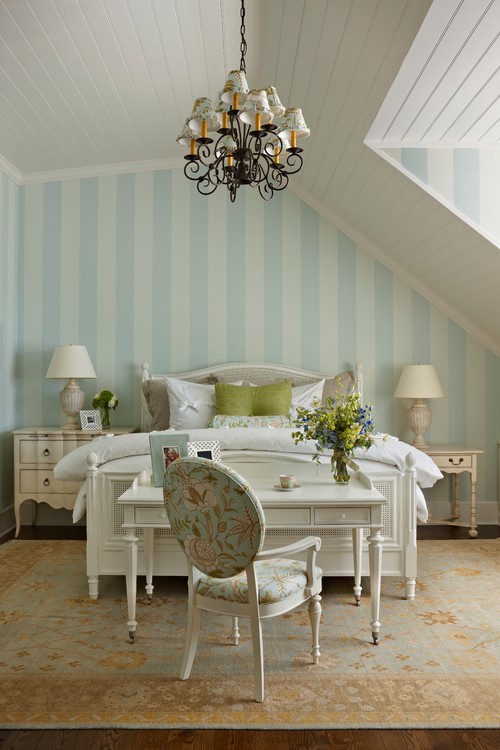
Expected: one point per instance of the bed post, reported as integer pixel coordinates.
(93, 523)
(145, 371)
(358, 379)
(410, 525)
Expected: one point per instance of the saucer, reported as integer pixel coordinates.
(286, 489)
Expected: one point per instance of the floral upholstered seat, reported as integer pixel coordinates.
(219, 522)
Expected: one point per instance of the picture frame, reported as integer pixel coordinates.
(205, 449)
(164, 450)
(90, 419)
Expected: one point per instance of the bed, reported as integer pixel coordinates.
(185, 403)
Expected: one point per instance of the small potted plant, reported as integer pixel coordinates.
(105, 400)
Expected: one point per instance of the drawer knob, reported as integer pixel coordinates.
(455, 463)
(46, 452)
(163, 514)
(46, 482)
(342, 515)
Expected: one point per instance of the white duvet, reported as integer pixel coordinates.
(135, 448)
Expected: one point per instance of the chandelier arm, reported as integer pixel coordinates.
(294, 163)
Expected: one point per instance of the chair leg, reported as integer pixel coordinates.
(258, 657)
(235, 632)
(315, 617)
(193, 631)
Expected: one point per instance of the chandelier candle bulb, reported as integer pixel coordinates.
(224, 120)
(293, 139)
(192, 149)
(257, 121)
(203, 128)
(235, 100)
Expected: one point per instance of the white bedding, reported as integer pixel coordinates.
(131, 454)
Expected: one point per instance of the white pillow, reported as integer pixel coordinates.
(305, 395)
(192, 405)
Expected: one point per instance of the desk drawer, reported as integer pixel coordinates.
(287, 516)
(151, 516)
(327, 516)
(457, 461)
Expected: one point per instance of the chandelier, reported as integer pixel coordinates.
(257, 137)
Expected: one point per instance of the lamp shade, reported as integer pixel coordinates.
(70, 361)
(419, 381)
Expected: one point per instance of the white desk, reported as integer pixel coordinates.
(318, 502)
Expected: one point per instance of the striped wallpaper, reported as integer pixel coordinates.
(464, 179)
(139, 267)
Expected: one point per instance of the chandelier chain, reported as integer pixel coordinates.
(243, 44)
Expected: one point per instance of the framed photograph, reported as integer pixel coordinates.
(165, 449)
(91, 419)
(205, 449)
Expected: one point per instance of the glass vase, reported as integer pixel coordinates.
(105, 419)
(339, 468)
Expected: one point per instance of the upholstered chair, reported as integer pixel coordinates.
(219, 522)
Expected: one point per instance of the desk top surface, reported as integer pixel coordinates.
(317, 486)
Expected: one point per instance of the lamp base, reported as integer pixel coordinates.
(72, 399)
(419, 420)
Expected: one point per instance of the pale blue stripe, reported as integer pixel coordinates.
(346, 302)
(236, 297)
(492, 421)
(20, 344)
(309, 287)
(162, 270)
(273, 280)
(457, 383)
(125, 244)
(420, 325)
(198, 280)
(5, 252)
(88, 268)
(51, 283)
(384, 350)
(415, 161)
(466, 182)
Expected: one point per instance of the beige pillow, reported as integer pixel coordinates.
(340, 386)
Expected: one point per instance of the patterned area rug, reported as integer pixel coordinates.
(65, 661)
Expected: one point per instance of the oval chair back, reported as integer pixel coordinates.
(214, 514)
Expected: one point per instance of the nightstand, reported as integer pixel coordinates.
(36, 451)
(455, 460)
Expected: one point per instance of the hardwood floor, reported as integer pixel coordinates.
(240, 739)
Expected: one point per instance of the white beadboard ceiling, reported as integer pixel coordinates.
(103, 86)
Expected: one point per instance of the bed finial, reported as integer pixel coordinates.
(145, 371)
(358, 376)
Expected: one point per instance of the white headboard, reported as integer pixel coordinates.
(259, 373)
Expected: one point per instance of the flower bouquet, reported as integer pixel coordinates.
(105, 400)
(339, 427)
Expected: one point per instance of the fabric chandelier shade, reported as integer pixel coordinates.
(419, 382)
(69, 362)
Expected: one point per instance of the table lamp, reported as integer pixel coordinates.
(71, 361)
(418, 382)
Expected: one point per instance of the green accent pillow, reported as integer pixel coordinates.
(275, 398)
(233, 400)
(253, 400)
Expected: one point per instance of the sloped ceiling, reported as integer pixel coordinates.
(104, 86)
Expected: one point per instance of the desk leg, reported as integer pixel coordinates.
(357, 549)
(131, 580)
(149, 536)
(375, 542)
(473, 522)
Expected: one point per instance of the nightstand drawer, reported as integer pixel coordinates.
(457, 460)
(332, 516)
(40, 451)
(38, 481)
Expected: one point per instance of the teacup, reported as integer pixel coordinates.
(287, 481)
